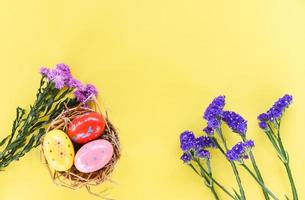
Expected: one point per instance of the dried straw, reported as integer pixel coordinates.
(73, 178)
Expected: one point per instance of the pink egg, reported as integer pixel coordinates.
(93, 156)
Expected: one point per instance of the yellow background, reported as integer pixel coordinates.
(157, 65)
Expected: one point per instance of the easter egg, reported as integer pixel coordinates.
(93, 156)
(86, 128)
(58, 150)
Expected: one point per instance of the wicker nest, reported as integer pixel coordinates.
(73, 178)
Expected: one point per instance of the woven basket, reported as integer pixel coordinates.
(73, 178)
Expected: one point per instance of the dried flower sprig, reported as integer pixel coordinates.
(52, 97)
(196, 155)
(270, 122)
(239, 125)
(213, 116)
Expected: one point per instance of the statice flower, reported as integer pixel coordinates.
(202, 153)
(203, 142)
(186, 157)
(275, 112)
(236, 122)
(195, 147)
(187, 140)
(240, 151)
(213, 114)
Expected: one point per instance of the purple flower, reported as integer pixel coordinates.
(186, 157)
(187, 140)
(213, 113)
(195, 147)
(85, 93)
(236, 122)
(263, 125)
(208, 130)
(60, 76)
(240, 151)
(275, 112)
(263, 117)
(202, 153)
(44, 71)
(73, 83)
(215, 108)
(203, 142)
(214, 123)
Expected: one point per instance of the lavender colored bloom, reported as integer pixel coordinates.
(275, 112)
(236, 122)
(85, 92)
(213, 113)
(240, 151)
(73, 83)
(64, 70)
(263, 117)
(203, 142)
(213, 123)
(186, 157)
(263, 125)
(187, 140)
(44, 71)
(202, 153)
(215, 108)
(60, 76)
(208, 130)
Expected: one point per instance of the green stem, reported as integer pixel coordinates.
(207, 181)
(211, 181)
(214, 193)
(259, 182)
(238, 180)
(215, 181)
(285, 161)
(257, 171)
(292, 184)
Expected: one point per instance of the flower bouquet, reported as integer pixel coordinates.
(65, 118)
(197, 156)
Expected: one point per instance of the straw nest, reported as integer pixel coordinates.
(73, 178)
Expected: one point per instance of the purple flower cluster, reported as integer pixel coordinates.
(85, 92)
(213, 114)
(61, 77)
(236, 122)
(275, 112)
(193, 146)
(240, 151)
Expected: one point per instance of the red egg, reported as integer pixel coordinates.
(86, 127)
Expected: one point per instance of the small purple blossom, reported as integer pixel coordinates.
(215, 108)
(208, 130)
(263, 125)
(213, 112)
(263, 117)
(186, 157)
(275, 112)
(203, 142)
(44, 71)
(85, 92)
(187, 140)
(60, 76)
(214, 123)
(236, 122)
(73, 83)
(202, 153)
(195, 147)
(240, 151)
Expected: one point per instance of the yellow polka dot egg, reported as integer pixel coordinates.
(58, 150)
